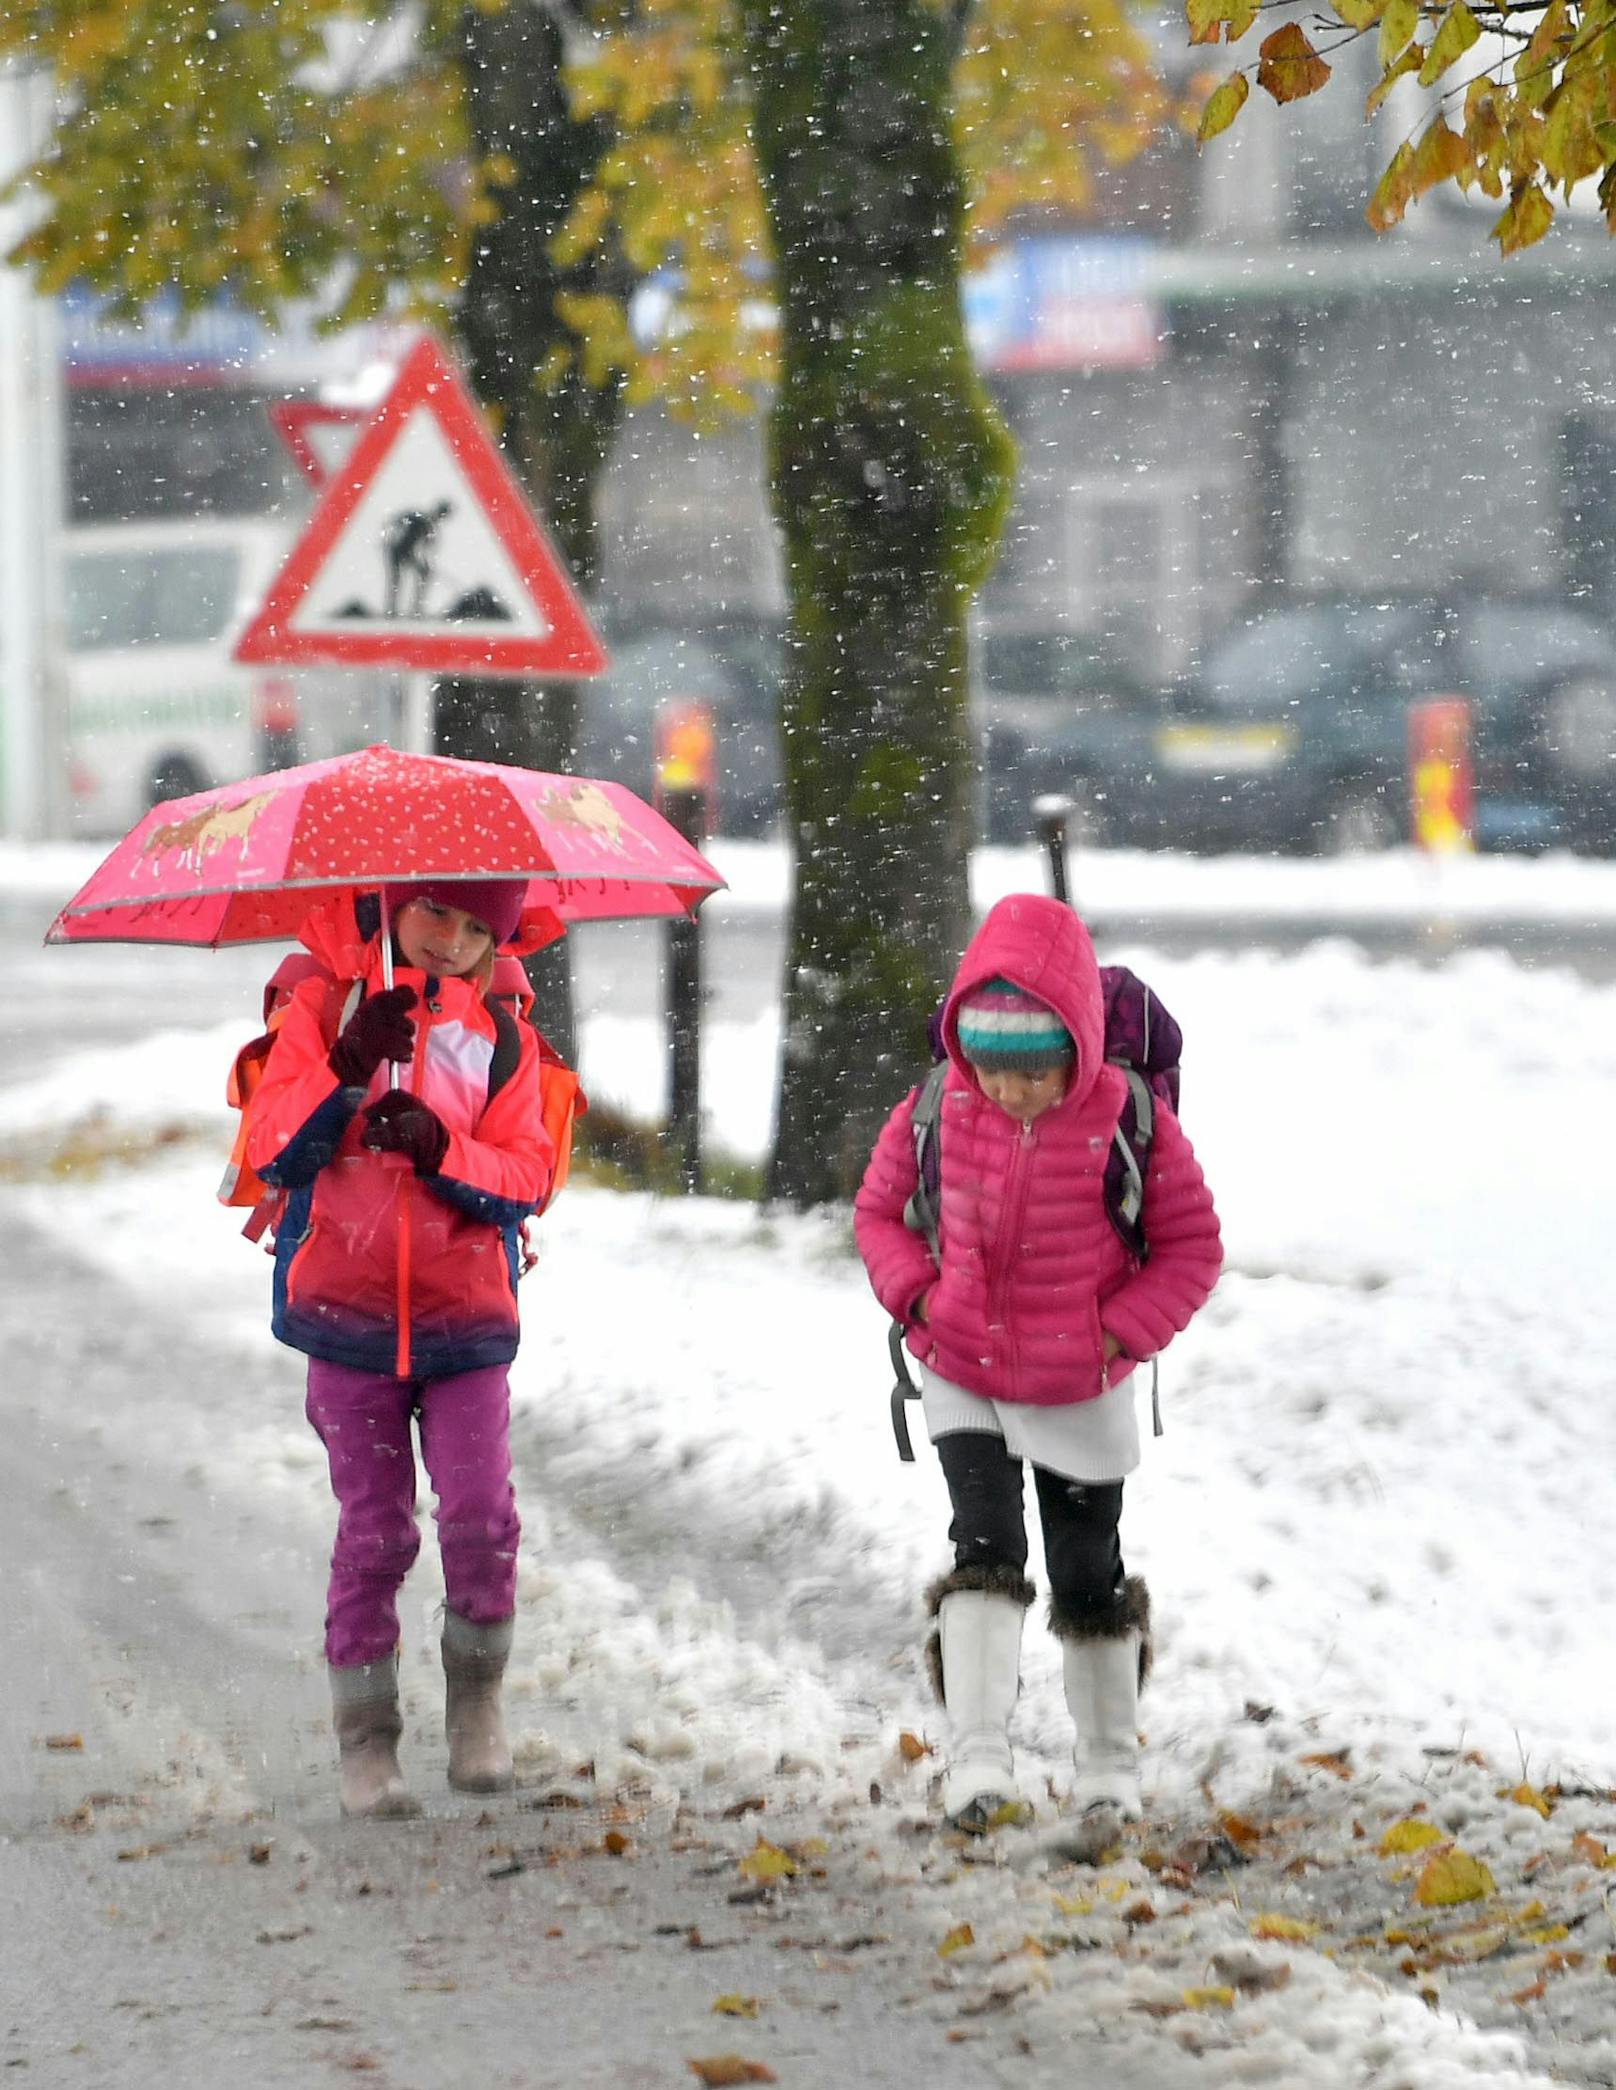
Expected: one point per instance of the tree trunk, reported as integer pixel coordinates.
(890, 477)
(557, 438)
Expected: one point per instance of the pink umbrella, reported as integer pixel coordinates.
(247, 862)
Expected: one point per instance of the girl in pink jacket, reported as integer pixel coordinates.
(1028, 1326)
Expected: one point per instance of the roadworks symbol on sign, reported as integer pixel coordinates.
(424, 554)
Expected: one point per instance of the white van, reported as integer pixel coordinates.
(156, 708)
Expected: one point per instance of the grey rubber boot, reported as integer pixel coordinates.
(474, 1659)
(365, 1715)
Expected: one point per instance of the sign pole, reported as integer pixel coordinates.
(416, 725)
(686, 754)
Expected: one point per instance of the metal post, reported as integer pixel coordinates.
(685, 811)
(1050, 816)
(33, 752)
(419, 719)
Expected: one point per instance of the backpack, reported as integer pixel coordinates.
(561, 1100)
(1144, 1043)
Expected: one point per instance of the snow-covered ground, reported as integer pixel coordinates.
(1378, 1528)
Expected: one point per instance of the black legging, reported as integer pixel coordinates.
(1082, 1550)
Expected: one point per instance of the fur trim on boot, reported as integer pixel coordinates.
(995, 1579)
(474, 1659)
(1131, 1614)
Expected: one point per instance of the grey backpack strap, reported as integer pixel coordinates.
(920, 1214)
(1133, 1167)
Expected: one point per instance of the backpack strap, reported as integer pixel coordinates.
(1133, 1139)
(507, 1043)
(922, 1213)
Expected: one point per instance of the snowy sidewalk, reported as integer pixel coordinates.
(1378, 1531)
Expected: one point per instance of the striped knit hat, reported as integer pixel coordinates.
(1005, 1030)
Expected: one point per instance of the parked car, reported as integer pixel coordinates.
(1293, 732)
(733, 667)
(155, 706)
(1046, 706)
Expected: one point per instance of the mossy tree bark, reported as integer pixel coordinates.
(558, 435)
(890, 476)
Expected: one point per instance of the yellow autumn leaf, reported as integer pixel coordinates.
(1394, 191)
(1458, 32)
(1528, 1796)
(736, 2006)
(1439, 156)
(1205, 18)
(1289, 67)
(1397, 70)
(1223, 106)
(1526, 217)
(957, 1940)
(1209, 1998)
(1397, 25)
(1075, 1904)
(1452, 1876)
(1409, 1834)
(1360, 14)
(766, 1861)
(1545, 1934)
(911, 1748)
(1293, 1928)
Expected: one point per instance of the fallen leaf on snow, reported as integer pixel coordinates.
(1332, 1760)
(1209, 1999)
(1592, 1851)
(736, 2006)
(911, 1748)
(1251, 1975)
(64, 1741)
(719, 2069)
(1293, 1929)
(1452, 1876)
(1243, 1834)
(1527, 1796)
(958, 1940)
(767, 1861)
(1409, 1835)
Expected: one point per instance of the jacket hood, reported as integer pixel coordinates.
(1042, 946)
(337, 935)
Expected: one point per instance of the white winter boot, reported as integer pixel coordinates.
(979, 1658)
(1104, 1668)
(474, 1659)
(364, 1712)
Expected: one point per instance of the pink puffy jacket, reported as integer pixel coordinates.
(1032, 1273)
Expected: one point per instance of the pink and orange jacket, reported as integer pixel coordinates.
(1033, 1275)
(375, 1267)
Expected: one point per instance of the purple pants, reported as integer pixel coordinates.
(363, 1420)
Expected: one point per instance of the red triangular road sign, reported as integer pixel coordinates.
(318, 436)
(422, 553)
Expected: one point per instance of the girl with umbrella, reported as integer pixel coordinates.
(395, 1273)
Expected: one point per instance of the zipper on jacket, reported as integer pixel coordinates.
(1015, 1212)
(405, 1194)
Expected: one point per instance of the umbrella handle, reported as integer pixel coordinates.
(387, 974)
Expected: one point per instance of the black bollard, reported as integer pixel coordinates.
(686, 811)
(1050, 815)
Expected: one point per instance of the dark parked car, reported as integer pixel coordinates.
(1044, 705)
(1293, 733)
(732, 667)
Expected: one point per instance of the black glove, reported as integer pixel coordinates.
(378, 1030)
(400, 1124)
